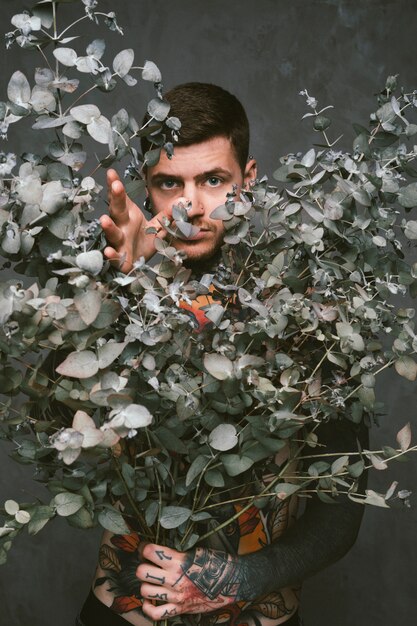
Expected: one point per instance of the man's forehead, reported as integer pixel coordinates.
(213, 154)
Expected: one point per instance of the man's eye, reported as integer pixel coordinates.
(168, 184)
(214, 181)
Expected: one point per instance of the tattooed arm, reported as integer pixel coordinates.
(203, 580)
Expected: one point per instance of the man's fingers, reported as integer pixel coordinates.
(161, 594)
(112, 176)
(117, 259)
(160, 612)
(118, 203)
(112, 232)
(153, 575)
(161, 555)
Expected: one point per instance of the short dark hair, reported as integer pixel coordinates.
(206, 111)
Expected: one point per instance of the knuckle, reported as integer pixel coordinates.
(147, 550)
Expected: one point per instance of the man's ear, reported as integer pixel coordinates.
(250, 173)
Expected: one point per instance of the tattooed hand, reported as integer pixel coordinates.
(198, 581)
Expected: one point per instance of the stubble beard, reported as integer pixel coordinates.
(200, 253)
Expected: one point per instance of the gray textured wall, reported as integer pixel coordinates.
(265, 51)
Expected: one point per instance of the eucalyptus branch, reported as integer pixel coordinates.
(132, 503)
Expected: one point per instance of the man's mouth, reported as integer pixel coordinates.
(200, 235)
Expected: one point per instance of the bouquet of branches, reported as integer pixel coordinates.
(162, 395)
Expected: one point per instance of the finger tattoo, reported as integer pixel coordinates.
(160, 580)
(159, 596)
(162, 556)
(169, 613)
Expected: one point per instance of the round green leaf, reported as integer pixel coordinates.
(407, 196)
(109, 353)
(88, 305)
(123, 61)
(85, 113)
(22, 517)
(235, 464)
(66, 56)
(18, 89)
(174, 516)
(223, 437)
(406, 367)
(99, 129)
(67, 503)
(11, 507)
(91, 261)
(410, 230)
(158, 109)
(218, 365)
(151, 72)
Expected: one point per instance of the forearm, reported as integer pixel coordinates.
(321, 536)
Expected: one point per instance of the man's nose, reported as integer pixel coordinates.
(195, 201)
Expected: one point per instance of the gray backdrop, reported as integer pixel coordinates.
(265, 51)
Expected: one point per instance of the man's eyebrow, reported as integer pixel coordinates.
(216, 171)
(161, 176)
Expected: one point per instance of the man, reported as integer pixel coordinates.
(259, 586)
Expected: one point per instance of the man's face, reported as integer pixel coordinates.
(201, 174)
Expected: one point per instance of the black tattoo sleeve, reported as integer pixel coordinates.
(321, 536)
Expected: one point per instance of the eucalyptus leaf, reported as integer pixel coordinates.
(410, 230)
(81, 519)
(173, 516)
(196, 468)
(218, 365)
(66, 56)
(44, 121)
(99, 129)
(108, 353)
(96, 48)
(123, 61)
(67, 503)
(223, 437)
(88, 304)
(40, 516)
(152, 157)
(42, 99)
(236, 464)
(85, 113)
(284, 490)
(11, 241)
(151, 72)
(91, 261)
(406, 367)
(112, 520)
(159, 109)
(83, 364)
(404, 437)
(18, 89)
(214, 478)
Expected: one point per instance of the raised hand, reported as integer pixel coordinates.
(125, 227)
(198, 581)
